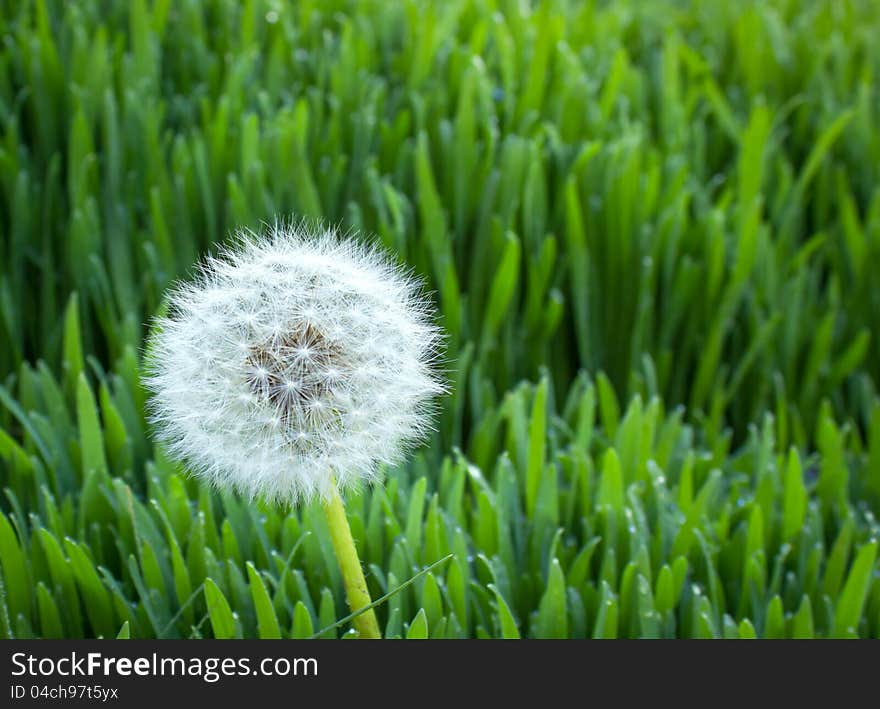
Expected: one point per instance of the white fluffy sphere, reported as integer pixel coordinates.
(293, 358)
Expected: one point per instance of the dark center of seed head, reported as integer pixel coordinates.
(295, 373)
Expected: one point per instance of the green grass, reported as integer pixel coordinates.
(650, 228)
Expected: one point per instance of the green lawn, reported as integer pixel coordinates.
(650, 228)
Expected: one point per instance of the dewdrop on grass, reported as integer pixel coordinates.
(293, 359)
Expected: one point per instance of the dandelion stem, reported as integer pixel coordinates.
(350, 565)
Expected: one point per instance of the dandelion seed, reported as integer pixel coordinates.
(309, 329)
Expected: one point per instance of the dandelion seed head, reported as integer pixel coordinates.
(293, 358)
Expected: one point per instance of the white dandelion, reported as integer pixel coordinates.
(293, 359)
(294, 365)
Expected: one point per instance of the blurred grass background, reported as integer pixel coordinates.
(650, 227)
